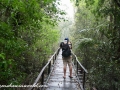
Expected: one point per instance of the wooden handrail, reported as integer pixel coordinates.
(53, 57)
(84, 70)
(41, 72)
(80, 63)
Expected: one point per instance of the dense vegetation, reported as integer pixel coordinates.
(97, 41)
(28, 37)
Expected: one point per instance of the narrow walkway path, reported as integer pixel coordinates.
(57, 82)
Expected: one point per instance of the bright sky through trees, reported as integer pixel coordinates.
(67, 6)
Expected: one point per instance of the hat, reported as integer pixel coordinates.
(66, 39)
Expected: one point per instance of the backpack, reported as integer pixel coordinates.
(61, 44)
(66, 52)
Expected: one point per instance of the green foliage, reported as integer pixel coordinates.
(27, 37)
(86, 42)
(97, 41)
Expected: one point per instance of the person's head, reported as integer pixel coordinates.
(66, 39)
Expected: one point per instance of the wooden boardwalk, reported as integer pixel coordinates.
(56, 80)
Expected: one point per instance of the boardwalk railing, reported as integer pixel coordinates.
(46, 70)
(80, 71)
(39, 82)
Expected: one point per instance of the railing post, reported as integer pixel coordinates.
(55, 56)
(77, 67)
(74, 60)
(49, 67)
(53, 59)
(42, 81)
(58, 51)
(84, 80)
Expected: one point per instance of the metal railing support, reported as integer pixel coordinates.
(77, 67)
(84, 79)
(49, 67)
(53, 59)
(42, 81)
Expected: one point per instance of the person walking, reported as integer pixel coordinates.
(67, 56)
